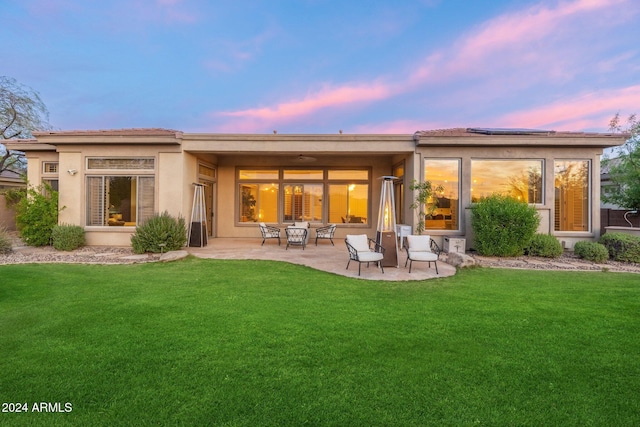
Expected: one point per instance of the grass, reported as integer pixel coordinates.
(248, 343)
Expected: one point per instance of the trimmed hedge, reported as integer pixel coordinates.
(67, 237)
(591, 251)
(545, 245)
(160, 229)
(622, 247)
(37, 214)
(503, 226)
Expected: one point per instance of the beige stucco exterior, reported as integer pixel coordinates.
(178, 157)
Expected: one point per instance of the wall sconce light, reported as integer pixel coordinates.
(72, 172)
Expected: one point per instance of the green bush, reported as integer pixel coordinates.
(544, 245)
(161, 229)
(37, 214)
(5, 242)
(503, 226)
(622, 247)
(591, 251)
(67, 237)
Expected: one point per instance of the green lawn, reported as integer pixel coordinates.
(251, 343)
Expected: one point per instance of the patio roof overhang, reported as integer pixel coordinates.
(287, 145)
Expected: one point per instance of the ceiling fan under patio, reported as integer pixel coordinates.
(304, 159)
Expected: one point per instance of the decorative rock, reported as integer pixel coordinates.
(173, 256)
(140, 257)
(461, 260)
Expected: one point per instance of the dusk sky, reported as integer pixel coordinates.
(320, 66)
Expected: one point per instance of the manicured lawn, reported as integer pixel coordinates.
(252, 343)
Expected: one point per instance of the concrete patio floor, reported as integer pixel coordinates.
(323, 257)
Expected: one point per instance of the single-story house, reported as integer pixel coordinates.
(10, 180)
(109, 181)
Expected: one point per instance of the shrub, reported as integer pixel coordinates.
(622, 247)
(591, 251)
(67, 237)
(5, 242)
(544, 245)
(503, 226)
(37, 214)
(161, 229)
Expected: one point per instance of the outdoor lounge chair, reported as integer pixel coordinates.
(269, 232)
(325, 233)
(296, 236)
(359, 246)
(421, 248)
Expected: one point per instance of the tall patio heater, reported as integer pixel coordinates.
(386, 234)
(198, 226)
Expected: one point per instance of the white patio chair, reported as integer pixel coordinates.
(269, 232)
(360, 250)
(325, 233)
(422, 249)
(296, 237)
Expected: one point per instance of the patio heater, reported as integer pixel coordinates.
(386, 234)
(198, 226)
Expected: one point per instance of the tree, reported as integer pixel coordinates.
(624, 167)
(21, 112)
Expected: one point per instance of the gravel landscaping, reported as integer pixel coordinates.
(23, 254)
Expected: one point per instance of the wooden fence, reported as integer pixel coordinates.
(615, 217)
(7, 215)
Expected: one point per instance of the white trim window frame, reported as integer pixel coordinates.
(565, 213)
(120, 191)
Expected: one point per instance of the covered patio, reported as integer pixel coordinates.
(325, 257)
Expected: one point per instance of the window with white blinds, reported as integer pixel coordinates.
(119, 201)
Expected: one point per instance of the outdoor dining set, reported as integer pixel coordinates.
(361, 248)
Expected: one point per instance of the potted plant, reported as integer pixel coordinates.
(424, 202)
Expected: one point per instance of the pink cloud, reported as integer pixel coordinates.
(507, 54)
(588, 111)
(325, 98)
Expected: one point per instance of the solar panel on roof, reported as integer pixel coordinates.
(508, 131)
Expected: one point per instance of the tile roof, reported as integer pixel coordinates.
(112, 132)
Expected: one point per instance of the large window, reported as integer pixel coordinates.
(119, 200)
(303, 202)
(348, 203)
(124, 195)
(444, 173)
(259, 202)
(572, 195)
(314, 195)
(521, 179)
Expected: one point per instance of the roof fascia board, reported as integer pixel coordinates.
(238, 143)
(27, 145)
(557, 140)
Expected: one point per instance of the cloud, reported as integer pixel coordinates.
(498, 60)
(591, 110)
(231, 56)
(328, 97)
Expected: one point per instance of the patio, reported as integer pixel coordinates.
(323, 257)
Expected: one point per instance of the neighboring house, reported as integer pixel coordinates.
(110, 181)
(8, 180)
